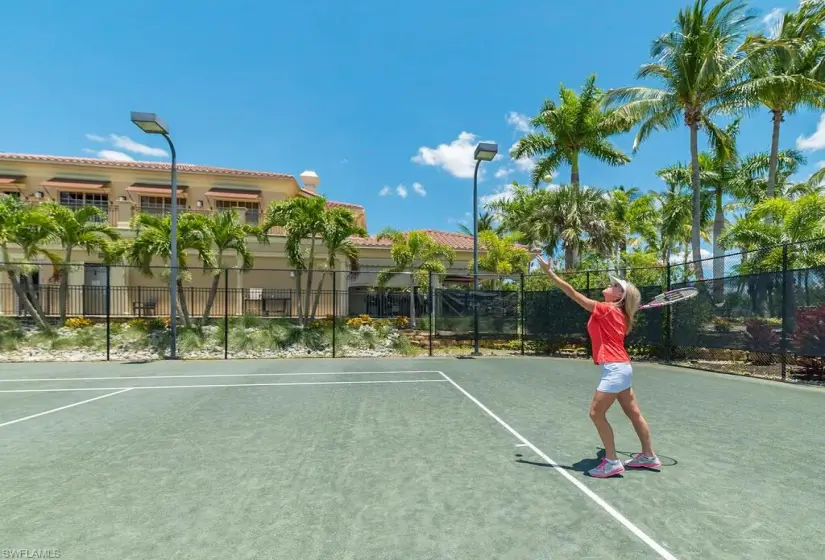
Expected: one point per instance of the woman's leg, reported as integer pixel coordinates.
(647, 458)
(598, 414)
(627, 400)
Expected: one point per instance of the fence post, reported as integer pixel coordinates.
(668, 317)
(225, 313)
(432, 313)
(785, 298)
(334, 307)
(108, 312)
(522, 314)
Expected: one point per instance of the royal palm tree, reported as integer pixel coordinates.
(700, 70)
(575, 127)
(787, 71)
(31, 230)
(486, 222)
(153, 240)
(82, 228)
(417, 254)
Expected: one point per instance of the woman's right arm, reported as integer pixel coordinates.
(569, 290)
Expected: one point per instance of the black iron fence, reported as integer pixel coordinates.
(764, 316)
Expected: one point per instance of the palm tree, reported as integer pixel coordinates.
(340, 226)
(153, 240)
(577, 126)
(787, 71)
(700, 71)
(417, 254)
(228, 232)
(32, 230)
(301, 218)
(83, 228)
(486, 222)
(502, 256)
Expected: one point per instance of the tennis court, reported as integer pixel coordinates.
(400, 458)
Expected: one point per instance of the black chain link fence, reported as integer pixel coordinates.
(758, 313)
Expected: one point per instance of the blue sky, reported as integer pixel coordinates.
(381, 99)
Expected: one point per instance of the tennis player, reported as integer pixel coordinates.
(610, 321)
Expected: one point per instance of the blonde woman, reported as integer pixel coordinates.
(610, 321)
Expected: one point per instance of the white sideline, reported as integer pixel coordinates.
(581, 486)
(209, 375)
(68, 390)
(9, 423)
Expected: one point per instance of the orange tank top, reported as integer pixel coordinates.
(607, 328)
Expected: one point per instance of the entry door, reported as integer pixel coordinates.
(94, 289)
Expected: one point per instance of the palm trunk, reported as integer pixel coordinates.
(34, 297)
(184, 308)
(318, 297)
(299, 292)
(25, 302)
(718, 255)
(569, 256)
(697, 199)
(210, 301)
(574, 169)
(63, 294)
(777, 122)
(311, 269)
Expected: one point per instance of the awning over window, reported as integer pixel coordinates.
(234, 194)
(12, 180)
(155, 190)
(76, 184)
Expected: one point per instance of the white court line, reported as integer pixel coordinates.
(67, 390)
(581, 486)
(194, 376)
(65, 407)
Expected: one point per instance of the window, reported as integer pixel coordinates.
(251, 209)
(159, 205)
(13, 194)
(77, 200)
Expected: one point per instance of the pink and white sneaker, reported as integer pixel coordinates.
(640, 461)
(607, 469)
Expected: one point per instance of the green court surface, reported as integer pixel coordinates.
(400, 459)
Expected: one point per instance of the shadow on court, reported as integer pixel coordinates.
(585, 465)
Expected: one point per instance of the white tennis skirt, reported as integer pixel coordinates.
(616, 377)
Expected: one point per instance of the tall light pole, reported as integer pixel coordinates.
(485, 151)
(150, 123)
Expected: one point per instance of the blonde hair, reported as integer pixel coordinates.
(631, 301)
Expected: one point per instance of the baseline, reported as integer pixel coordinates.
(581, 486)
(213, 375)
(58, 409)
(212, 386)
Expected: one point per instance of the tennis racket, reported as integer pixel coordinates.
(670, 297)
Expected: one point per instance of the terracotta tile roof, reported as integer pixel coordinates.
(333, 204)
(459, 241)
(143, 165)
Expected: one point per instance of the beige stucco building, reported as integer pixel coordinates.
(123, 188)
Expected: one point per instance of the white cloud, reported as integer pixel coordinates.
(95, 138)
(456, 158)
(384, 192)
(525, 164)
(503, 172)
(772, 21)
(401, 190)
(679, 258)
(519, 122)
(419, 189)
(114, 155)
(815, 141)
(126, 143)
